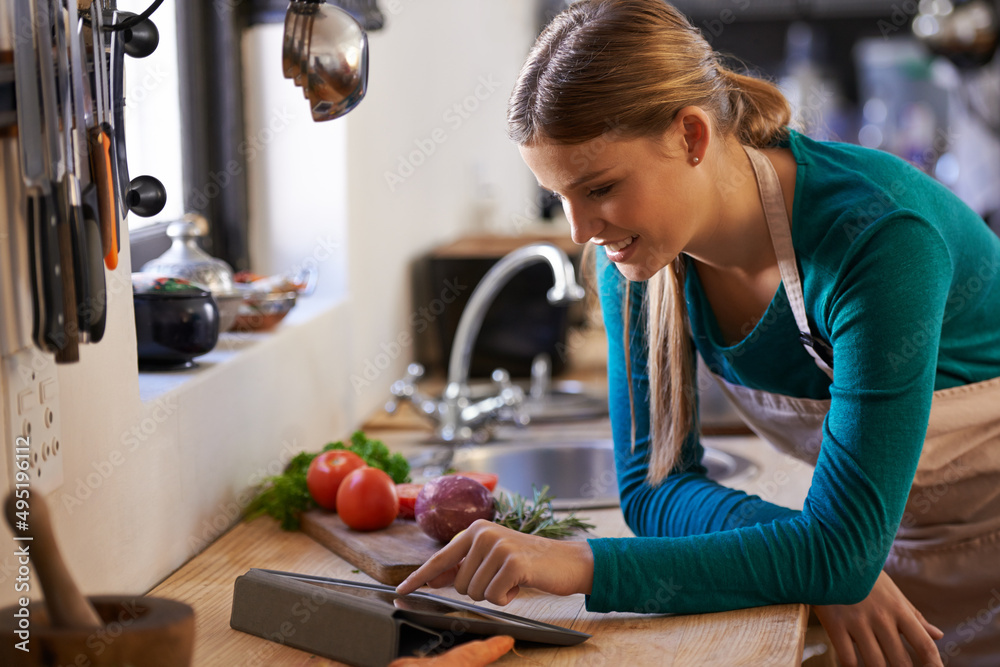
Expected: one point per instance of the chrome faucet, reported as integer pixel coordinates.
(458, 417)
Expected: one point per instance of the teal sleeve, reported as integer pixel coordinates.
(687, 502)
(702, 547)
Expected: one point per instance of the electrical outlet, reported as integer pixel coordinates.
(31, 386)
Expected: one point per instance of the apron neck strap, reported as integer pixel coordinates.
(780, 230)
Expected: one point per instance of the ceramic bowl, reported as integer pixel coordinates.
(175, 321)
(261, 312)
(229, 308)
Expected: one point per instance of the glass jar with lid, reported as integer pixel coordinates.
(186, 260)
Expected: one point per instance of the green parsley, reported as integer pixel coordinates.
(376, 455)
(286, 496)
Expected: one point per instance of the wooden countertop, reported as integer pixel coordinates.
(759, 636)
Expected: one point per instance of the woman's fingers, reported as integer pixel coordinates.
(890, 643)
(494, 579)
(870, 650)
(437, 565)
(446, 578)
(470, 566)
(841, 640)
(920, 634)
(491, 562)
(502, 589)
(934, 631)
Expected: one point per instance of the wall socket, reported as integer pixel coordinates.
(31, 386)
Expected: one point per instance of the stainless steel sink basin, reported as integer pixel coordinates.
(579, 474)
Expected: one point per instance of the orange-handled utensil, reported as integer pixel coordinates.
(99, 140)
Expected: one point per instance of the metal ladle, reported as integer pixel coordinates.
(303, 40)
(288, 39)
(325, 50)
(337, 71)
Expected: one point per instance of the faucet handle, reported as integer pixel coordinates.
(501, 378)
(512, 397)
(405, 389)
(541, 376)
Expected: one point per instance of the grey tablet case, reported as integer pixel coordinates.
(369, 625)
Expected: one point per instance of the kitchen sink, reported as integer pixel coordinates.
(579, 474)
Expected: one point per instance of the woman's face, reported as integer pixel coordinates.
(636, 198)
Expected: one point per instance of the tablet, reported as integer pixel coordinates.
(444, 614)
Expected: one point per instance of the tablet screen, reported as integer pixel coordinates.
(441, 613)
(421, 603)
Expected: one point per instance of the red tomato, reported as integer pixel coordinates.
(408, 499)
(487, 479)
(367, 499)
(327, 471)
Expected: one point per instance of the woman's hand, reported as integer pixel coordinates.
(876, 626)
(490, 562)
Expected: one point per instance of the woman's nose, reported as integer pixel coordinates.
(583, 226)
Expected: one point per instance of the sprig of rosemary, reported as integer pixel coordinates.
(535, 517)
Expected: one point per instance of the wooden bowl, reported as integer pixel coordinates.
(139, 631)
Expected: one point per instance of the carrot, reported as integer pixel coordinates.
(470, 654)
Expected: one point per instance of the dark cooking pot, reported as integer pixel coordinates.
(175, 322)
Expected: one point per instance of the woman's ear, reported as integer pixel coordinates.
(694, 132)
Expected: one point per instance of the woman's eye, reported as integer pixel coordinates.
(597, 193)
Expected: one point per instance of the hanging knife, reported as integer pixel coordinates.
(56, 172)
(88, 267)
(48, 322)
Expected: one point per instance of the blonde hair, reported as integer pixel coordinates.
(625, 68)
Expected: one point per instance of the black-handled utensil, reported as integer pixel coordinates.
(52, 79)
(48, 320)
(84, 209)
(86, 291)
(48, 324)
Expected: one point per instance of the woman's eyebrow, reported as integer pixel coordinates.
(579, 181)
(588, 176)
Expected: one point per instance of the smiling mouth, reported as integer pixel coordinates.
(621, 245)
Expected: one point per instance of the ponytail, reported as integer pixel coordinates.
(758, 112)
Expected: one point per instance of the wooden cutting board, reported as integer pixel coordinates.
(388, 555)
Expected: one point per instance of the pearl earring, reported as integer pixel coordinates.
(695, 160)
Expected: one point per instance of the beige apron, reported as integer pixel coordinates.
(946, 554)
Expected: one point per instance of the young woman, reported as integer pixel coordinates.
(847, 303)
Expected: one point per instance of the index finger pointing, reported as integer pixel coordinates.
(445, 559)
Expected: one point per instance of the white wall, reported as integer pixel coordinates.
(424, 149)
(153, 475)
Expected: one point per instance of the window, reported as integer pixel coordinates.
(153, 115)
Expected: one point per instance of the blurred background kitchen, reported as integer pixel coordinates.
(420, 173)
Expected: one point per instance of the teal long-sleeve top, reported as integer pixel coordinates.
(903, 280)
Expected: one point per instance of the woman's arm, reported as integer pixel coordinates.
(687, 502)
(893, 284)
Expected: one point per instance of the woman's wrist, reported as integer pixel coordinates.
(584, 558)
